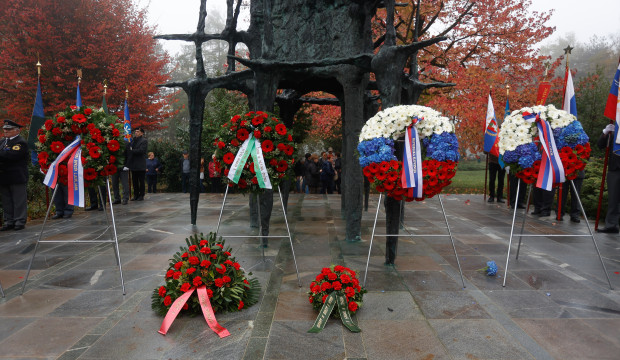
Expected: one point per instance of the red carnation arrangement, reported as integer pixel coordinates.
(276, 142)
(336, 278)
(101, 142)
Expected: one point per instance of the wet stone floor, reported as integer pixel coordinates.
(557, 303)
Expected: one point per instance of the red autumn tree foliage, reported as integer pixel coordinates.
(492, 44)
(326, 119)
(108, 39)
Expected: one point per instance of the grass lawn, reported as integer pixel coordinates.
(466, 182)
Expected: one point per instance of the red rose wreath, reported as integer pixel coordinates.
(276, 146)
(101, 141)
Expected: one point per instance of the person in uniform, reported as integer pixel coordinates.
(14, 157)
(613, 182)
(136, 162)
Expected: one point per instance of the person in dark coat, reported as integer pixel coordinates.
(136, 162)
(613, 182)
(14, 157)
(153, 168)
(313, 173)
(327, 176)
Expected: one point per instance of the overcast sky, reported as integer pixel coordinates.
(583, 18)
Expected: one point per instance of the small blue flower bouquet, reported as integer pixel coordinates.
(491, 268)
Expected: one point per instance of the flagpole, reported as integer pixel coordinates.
(567, 51)
(486, 166)
(129, 174)
(507, 180)
(47, 190)
(602, 188)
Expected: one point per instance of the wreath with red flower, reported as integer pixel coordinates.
(336, 278)
(276, 142)
(518, 137)
(102, 142)
(439, 153)
(206, 261)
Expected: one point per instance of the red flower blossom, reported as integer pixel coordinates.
(326, 286)
(282, 166)
(178, 265)
(169, 273)
(209, 293)
(267, 146)
(90, 174)
(213, 256)
(205, 263)
(243, 134)
(353, 306)
(177, 275)
(332, 276)
(42, 139)
(226, 279)
(116, 132)
(109, 169)
(113, 145)
(221, 144)
(49, 124)
(267, 129)
(56, 131)
(234, 142)
(336, 285)
(194, 260)
(193, 248)
(281, 129)
(88, 111)
(257, 120)
(57, 147)
(229, 158)
(185, 287)
(257, 134)
(236, 266)
(190, 271)
(79, 118)
(95, 152)
(345, 278)
(205, 250)
(167, 300)
(162, 291)
(43, 156)
(240, 305)
(203, 242)
(221, 270)
(310, 299)
(197, 281)
(60, 119)
(219, 282)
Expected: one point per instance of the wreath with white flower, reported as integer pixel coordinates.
(276, 145)
(517, 138)
(440, 150)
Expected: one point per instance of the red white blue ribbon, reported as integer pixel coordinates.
(411, 176)
(51, 177)
(551, 168)
(76, 179)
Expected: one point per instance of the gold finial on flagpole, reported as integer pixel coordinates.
(79, 75)
(507, 90)
(105, 87)
(567, 52)
(126, 93)
(547, 65)
(38, 66)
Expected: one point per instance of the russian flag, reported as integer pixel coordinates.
(490, 129)
(127, 123)
(570, 103)
(612, 99)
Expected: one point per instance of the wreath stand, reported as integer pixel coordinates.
(260, 229)
(541, 235)
(443, 211)
(113, 237)
(1, 290)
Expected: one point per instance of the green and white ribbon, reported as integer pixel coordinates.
(331, 301)
(250, 147)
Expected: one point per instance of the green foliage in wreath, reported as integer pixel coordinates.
(206, 261)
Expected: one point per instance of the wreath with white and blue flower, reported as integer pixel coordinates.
(440, 150)
(518, 137)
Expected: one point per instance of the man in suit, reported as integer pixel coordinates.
(14, 157)
(136, 162)
(613, 182)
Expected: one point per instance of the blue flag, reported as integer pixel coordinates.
(507, 110)
(490, 129)
(127, 123)
(570, 102)
(78, 99)
(38, 117)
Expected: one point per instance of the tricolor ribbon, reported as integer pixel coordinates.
(51, 177)
(250, 147)
(411, 176)
(616, 148)
(551, 168)
(207, 311)
(76, 179)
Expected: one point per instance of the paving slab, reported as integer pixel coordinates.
(556, 303)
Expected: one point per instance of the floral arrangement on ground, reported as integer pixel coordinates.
(276, 145)
(336, 278)
(206, 261)
(440, 150)
(101, 141)
(520, 152)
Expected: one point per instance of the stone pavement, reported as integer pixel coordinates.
(556, 305)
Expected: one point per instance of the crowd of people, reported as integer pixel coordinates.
(319, 175)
